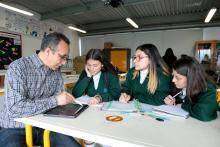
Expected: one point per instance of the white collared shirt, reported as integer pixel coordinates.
(96, 80)
(143, 75)
(183, 95)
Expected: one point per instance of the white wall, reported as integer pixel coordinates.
(181, 41)
(2, 16)
(91, 42)
(153, 37)
(30, 44)
(74, 45)
(211, 33)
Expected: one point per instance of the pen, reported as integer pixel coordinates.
(177, 94)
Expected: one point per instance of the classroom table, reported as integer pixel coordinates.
(134, 130)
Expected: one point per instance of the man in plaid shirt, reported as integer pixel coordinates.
(34, 84)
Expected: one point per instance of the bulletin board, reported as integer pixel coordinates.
(10, 47)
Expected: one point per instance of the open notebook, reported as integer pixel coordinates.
(171, 111)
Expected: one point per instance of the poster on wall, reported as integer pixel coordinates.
(29, 26)
(10, 48)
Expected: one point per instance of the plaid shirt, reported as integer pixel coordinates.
(30, 88)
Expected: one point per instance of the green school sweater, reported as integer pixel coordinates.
(205, 109)
(140, 91)
(108, 86)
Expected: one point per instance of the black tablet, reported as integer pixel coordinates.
(69, 110)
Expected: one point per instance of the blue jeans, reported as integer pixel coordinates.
(15, 137)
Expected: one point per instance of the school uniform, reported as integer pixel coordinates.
(105, 84)
(205, 108)
(137, 87)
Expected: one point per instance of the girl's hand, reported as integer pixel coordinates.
(95, 100)
(87, 72)
(169, 100)
(124, 98)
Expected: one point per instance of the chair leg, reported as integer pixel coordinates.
(46, 138)
(29, 137)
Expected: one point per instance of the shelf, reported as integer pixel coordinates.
(210, 49)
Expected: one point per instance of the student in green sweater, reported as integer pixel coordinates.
(198, 91)
(98, 80)
(149, 80)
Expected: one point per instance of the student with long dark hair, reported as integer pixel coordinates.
(199, 92)
(169, 57)
(98, 80)
(149, 80)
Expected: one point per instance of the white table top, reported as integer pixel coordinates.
(133, 131)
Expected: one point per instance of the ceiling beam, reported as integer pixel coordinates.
(148, 21)
(84, 4)
(152, 28)
(90, 6)
(152, 23)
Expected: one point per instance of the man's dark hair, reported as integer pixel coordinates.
(52, 40)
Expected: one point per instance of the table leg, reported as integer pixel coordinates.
(46, 138)
(29, 138)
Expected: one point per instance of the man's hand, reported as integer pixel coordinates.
(64, 98)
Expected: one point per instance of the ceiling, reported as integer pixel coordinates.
(97, 18)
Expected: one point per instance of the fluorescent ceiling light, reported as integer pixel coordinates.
(132, 22)
(76, 29)
(210, 15)
(16, 9)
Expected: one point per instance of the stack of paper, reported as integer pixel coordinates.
(118, 106)
(171, 110)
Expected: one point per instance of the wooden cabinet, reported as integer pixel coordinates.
(119, 57)
(207, 52)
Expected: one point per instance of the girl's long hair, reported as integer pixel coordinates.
(155, 62)
(196, 76)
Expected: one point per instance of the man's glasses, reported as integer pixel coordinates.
(63, 57)
(138, 58)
